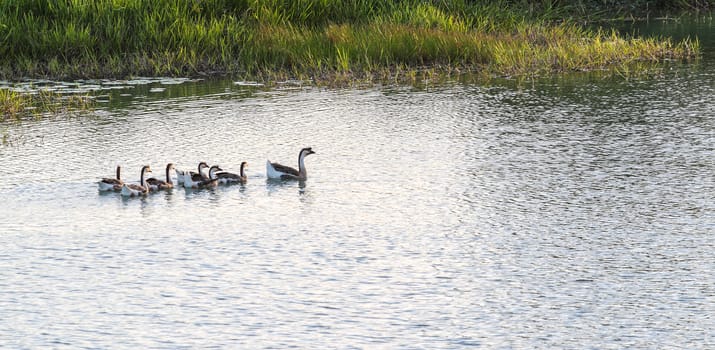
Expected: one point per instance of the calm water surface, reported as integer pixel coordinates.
(570, 213)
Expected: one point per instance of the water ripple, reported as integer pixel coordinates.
(566, 215)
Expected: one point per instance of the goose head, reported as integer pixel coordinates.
(213, 170)
(306, 151)
(244, 165)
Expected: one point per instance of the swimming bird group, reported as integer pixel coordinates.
(202, 178)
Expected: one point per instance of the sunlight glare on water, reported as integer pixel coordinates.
(573, 213)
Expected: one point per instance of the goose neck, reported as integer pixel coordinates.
(301, 165)
(168, 176)
(141, 178)
(202, 165)
(212, 172)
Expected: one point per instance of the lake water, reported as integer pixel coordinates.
(574, 212)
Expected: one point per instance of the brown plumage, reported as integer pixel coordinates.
(200, 175)
(228, 178)
(109, 184)
(137, 190)
(155, 184)
(283, 172)
(200, 182)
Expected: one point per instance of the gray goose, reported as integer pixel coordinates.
(109, 184)
(279, 171)
(156, 184)
(225, 177)
(131, 190)
(199, 182)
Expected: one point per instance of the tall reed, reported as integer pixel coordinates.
(118, 38)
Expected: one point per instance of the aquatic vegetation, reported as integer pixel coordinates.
(11, 103)
(16, 105)
(314, 39)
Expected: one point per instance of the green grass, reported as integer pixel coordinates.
(21, 105)
(615, 9)
(318, 39)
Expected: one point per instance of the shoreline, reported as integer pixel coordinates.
(337, 41)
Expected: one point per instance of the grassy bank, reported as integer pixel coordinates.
(316, 39)
(596, 10)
